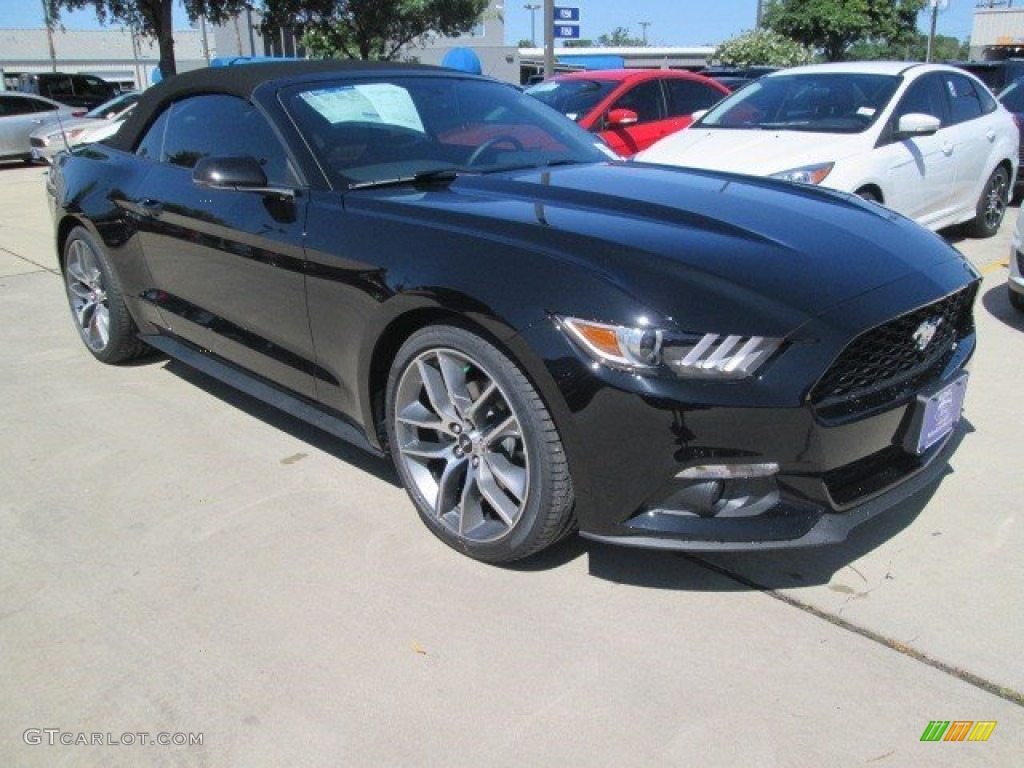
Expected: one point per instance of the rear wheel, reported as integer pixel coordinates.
(97, 301)
(1016, 299)
(991, 205)
(476, 447)
(869, 194)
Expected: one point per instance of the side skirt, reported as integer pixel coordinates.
(251, 385)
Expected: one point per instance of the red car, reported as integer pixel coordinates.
(630, 108)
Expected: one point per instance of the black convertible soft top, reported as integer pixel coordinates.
(241, 80)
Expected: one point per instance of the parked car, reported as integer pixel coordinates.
(20, 115)
(1012, 97)
(735, 78)
(630, 108)
(434, 265)
(75, 90)
(1015, 282)
(995, 73)
(95, 125)
(928, 141)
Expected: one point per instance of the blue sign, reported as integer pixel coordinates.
(566, 14)
(567, 32)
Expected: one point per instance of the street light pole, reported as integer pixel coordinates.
(644, 25)
(549, 38)
(532, 8)
(931, 32)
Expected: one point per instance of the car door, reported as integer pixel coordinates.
(227, 265)
(19, 116)
(648, 102)
(973, 131)
(685, 97)
(918, 172)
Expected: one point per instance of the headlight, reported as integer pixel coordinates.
(648, 350)
(808, 174)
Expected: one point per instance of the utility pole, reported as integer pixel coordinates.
(931, 31)
(760, 14)
(532, 8)
(206, 42)
(549, 38)
(644, 25)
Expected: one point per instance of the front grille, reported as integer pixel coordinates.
(887, 357)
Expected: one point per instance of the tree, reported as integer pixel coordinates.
(151, 18)
(762, 46)
(834, 25)
(620, 38)
(370, 29)
(946, 49)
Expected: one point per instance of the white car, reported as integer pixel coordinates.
(927, 140)
(1015, 283)
(20, 115)
(96, 124)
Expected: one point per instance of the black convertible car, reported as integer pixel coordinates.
(436, 266)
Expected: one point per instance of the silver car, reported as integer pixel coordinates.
(20, 115)
(98, 123)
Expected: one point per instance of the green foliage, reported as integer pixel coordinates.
(525, 43)
(762, 46)
(151, 18)
(620, 38)
(834, 25)
(946, 49)
(370, 29)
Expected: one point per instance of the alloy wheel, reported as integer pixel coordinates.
(995, 200)
(462, 444)
(88, 295)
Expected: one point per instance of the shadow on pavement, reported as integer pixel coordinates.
(997, 303)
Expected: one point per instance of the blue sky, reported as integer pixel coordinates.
(673, 22)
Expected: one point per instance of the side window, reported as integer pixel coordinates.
(23, 106)
(923, 97)
(687, 97)
(41, 106)
(645, 100)
(87, 85)
(223, 126)
(964, 101)
(152, 144)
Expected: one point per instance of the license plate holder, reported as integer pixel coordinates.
(936, 415)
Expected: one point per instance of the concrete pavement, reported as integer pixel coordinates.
(177, 558)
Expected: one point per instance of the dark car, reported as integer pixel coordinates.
(735, 78)
(434, 265)
(1012, 97)
(75, 90)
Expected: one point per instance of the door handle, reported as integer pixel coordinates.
(37, 122)
(947, 149)
(991, 135)
(150, 207)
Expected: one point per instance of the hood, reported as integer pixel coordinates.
(757, 152)
(699, 248)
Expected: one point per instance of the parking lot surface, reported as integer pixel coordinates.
(180, 561)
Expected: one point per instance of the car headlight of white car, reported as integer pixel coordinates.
(806, 174)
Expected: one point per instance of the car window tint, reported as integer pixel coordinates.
(923, 97)
(152, 144)
(964, 101)
(644, 99)
(1012, 96)
(24, 105)
(573, 98)
(687, 96)
(88, 85)
(223, 126)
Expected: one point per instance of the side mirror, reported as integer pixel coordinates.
(618, 118)
(917, 124)
(230, 173)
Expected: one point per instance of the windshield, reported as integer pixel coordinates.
(822, 103)
(573, 98)
(364, 131)
(109, 109)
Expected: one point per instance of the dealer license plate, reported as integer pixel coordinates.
(941, 413)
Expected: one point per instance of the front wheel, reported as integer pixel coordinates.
(991, 205)
(476, 447)
(97, 301)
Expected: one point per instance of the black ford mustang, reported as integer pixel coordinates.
(434, 265)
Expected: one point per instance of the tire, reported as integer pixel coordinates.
(870, 195)
(991, 205)
(97, 301)
(476, 448)
(1016, 300)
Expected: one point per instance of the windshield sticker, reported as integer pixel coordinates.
(370, 103)
(866, 111)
